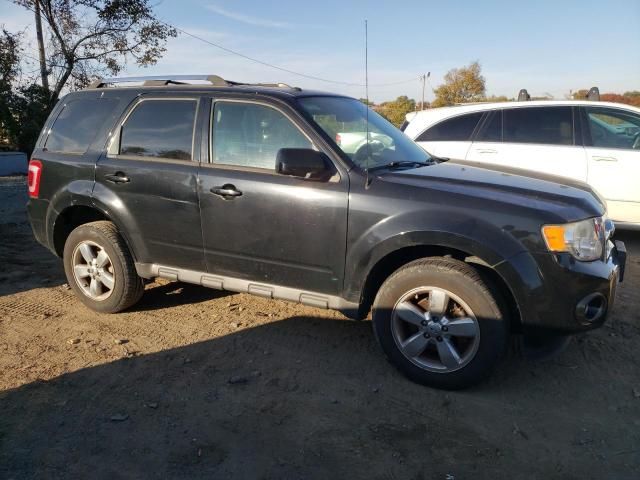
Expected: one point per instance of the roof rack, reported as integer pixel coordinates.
(163, 80)
(523, 95)
(594, 94)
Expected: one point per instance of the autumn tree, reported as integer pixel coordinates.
(88, 38)
(461, 85)
(396, 110)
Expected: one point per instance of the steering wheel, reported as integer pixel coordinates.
(636, 142)
(374, 148)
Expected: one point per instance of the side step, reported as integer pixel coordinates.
(219, 282)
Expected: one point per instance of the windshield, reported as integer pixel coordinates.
(345, 121)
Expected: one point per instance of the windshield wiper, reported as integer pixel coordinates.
(400, 164)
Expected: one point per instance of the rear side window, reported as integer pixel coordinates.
(78, 123)
(547, 125)
(492, 128)
(160, 128)
(452, 130)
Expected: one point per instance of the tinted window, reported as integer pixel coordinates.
(78, 123)
(455, 129)
(549, 125)
(250, 135)
(492, 128)
(611, 128)
(159, 128)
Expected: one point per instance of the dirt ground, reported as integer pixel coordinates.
(195, 383)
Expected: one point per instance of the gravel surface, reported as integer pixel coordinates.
(195, 383)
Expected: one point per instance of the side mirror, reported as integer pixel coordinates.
(303, 163)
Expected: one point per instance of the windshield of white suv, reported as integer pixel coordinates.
(346, 121)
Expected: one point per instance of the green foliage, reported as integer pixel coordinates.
(396, 110)
(461, 85)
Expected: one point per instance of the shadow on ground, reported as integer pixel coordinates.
(310, 397)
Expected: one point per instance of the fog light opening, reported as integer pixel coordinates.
(591, 308)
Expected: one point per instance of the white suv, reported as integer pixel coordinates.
(596, 142)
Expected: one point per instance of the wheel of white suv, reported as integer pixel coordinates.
(438, 321)
(100, 269)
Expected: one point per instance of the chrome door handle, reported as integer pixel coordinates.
(118, 177)
(486, 150)
(604, 159)
(226, 191)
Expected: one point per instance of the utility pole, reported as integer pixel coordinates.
(43, 61)
(423, 79)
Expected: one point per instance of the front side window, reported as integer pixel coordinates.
(349, 123)
(612, 128)
(543, 125)
(457, 129)
(78, 123)
(160, 128)
(250, 135)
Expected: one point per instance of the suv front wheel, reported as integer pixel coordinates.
(440, 323)
(100, 269)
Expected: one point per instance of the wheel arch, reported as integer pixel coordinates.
(387, 264)
(74, 216)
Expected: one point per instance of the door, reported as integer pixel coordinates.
(612, 144)
(450, 138)
(535, 138)
(260, 225)
(150, 174)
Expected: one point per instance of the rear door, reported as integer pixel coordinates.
(450, 138)
(612, 143)
(149, 176)
(274, 229)
(537, 138)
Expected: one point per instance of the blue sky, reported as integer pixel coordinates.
(545, 46)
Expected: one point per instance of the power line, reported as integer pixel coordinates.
(282, 69)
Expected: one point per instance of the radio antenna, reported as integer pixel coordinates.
(366, 94)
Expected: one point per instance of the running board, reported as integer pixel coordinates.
(220, 282)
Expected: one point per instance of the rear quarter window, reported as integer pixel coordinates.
(78, 123)
(455, 129)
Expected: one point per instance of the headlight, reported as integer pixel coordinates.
(584, 240)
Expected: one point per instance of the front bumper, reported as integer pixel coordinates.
(557, 292)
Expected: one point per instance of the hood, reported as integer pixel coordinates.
(568, 199)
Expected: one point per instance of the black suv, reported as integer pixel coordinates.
(313, 198)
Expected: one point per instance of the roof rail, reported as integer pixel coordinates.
(158, 80)
(594, 94)
(523, 95)
(163, 80)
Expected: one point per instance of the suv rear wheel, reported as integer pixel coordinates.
(100, 269)
(438, 321)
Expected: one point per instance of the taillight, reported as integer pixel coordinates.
(33, 178)
(338, 138)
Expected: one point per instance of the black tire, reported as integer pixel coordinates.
(463, 281)
(128, 287)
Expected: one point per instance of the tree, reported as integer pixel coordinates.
(461, 85)
(10, 51)
(90, 38)
(396, 110)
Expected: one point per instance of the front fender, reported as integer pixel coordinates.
(449, 229)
